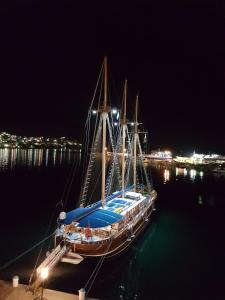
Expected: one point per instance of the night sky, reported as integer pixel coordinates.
(172, 52)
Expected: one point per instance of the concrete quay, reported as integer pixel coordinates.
(8, 292)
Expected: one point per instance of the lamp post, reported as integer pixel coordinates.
(44, 275)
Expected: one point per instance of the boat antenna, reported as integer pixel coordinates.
(135, 142)
(124, 122)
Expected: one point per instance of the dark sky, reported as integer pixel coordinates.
(172, 52)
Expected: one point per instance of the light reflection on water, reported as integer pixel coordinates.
(178, 172)
(166, 175)
(197, 177)
(10, 158)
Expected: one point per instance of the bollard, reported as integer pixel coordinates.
(15, 281)
(82, 294)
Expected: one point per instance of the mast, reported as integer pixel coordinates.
(104, 117)
(123, 135)
(135, 143)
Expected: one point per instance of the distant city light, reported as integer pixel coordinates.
(94, 112)
(115, 124)
(114, 111)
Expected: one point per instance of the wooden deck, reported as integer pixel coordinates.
(8, 292)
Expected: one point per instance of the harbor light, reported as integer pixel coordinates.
(115, 124)
(94, 112)
(132, 124)
(114, 111)
(15, 281)
(44, 273)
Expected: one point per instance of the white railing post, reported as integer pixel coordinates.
(82, 294)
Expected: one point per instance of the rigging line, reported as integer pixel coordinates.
(66, 185)
(87, 124)
(114, 165)
(98, 108)
(112, 80)
(85, 151)
(97, 268)
(87, 138)
(94, 189)
(149, 184)
(25, 252)
(129, 161)
(46, 234)
(90, 108)
(74, 169)
(95, 91)
(85, 184)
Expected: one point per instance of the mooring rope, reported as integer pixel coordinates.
(96, 269)
(25, 252)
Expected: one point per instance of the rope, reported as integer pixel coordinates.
(96, 270)
(87, 124)
(87, 140)
(149, 186)
(66, 185)
(24, 253)
(74, 169)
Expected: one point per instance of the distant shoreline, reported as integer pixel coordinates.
(41, 148)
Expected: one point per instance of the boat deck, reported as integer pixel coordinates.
(122, 205)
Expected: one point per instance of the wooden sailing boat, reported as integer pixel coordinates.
(107, 227)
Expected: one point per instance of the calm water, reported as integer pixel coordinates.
(181, 255)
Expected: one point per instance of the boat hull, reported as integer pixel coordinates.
(113, 247)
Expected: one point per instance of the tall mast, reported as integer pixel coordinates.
(104, 117)
(123, 135)
(135, 142)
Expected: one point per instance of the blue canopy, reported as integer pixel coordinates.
(80, 213)
(100, 218)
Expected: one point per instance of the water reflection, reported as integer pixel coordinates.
(192, 174)
(166, 175)
(10, 158)
(181, 172)
(200, 200)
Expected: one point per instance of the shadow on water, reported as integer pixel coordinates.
(181, 255)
